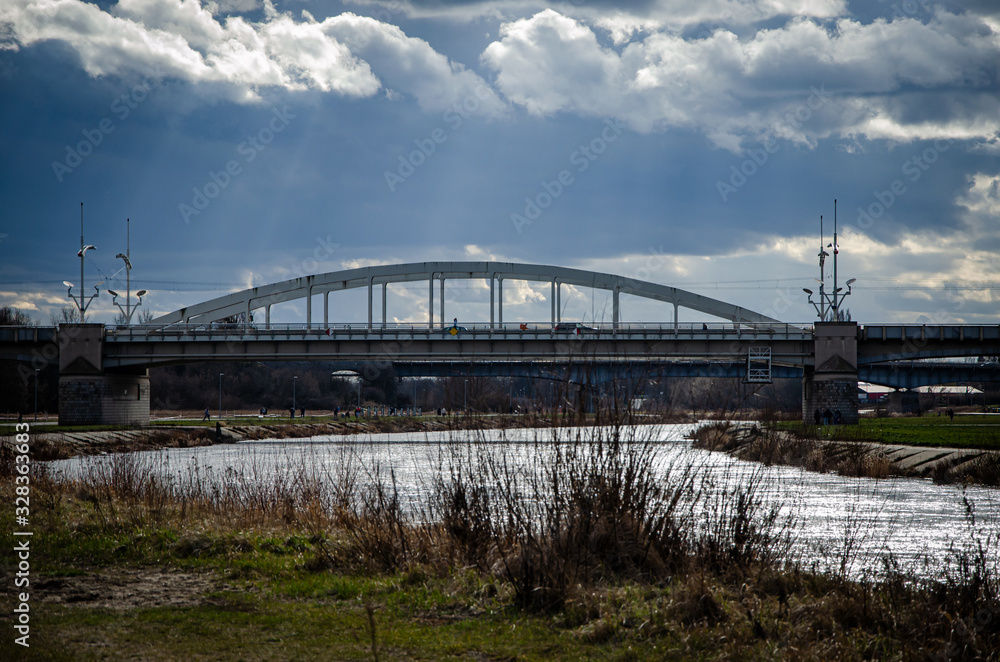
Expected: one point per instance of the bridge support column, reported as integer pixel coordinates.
(430, 302)
(370, 283)
(615, 310)
(558, 302)
(833, 383)
(87, 394)
(552, 301)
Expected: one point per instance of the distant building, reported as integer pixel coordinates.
(871, 393)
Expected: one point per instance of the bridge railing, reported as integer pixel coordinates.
(928, 332)
(462, 330)
(27, 333)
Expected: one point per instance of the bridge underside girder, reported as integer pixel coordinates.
(577, 373)
(910, 374)
(423, 345)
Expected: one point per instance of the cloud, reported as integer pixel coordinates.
(239, 59)
(412, 65)
(900, 80)
(627, 16)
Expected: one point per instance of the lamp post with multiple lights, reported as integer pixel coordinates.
(82, 301)
(220, 395)
(828, 306)
(129, 309)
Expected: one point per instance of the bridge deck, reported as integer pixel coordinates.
(137, 346)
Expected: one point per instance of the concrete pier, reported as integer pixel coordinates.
(90, 395)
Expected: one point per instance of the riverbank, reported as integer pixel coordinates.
(769, 445)
(61, 445)
(622, 562)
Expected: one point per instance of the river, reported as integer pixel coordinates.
(839, 522)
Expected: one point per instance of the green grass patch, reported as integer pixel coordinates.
(977, 432)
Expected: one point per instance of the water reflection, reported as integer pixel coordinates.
(843, 524)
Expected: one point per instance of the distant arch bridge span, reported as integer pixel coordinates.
(437, 274)
(104, 371)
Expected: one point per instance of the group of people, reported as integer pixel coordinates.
(826, 417)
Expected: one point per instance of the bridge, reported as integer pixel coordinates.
(104, 370)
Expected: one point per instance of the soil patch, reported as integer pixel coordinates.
(127, 588)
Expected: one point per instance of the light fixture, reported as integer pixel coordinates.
(112, 293)
(830, 300)
(82, 301)
(129, 309)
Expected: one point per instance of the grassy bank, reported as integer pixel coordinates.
(964, 431)
(570, 548)
(846, 451)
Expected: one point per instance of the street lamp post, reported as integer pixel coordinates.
(220, 395)
(36, 395)
(82, 302)
(129, 309)
(465, 398)
(294, 378)
(828, 306)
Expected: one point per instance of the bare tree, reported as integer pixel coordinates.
(67, 315)
(10, 316)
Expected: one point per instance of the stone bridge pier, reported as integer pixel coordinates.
(832, 382)
(90, 395)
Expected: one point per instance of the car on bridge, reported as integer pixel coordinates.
(574, 327)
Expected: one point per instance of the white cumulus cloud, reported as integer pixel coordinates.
(900, 80)
(239, 58)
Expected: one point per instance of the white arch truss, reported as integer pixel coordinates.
(306, 287)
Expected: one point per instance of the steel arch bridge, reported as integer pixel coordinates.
(307, 287)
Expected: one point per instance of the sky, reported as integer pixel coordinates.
(693, 143)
